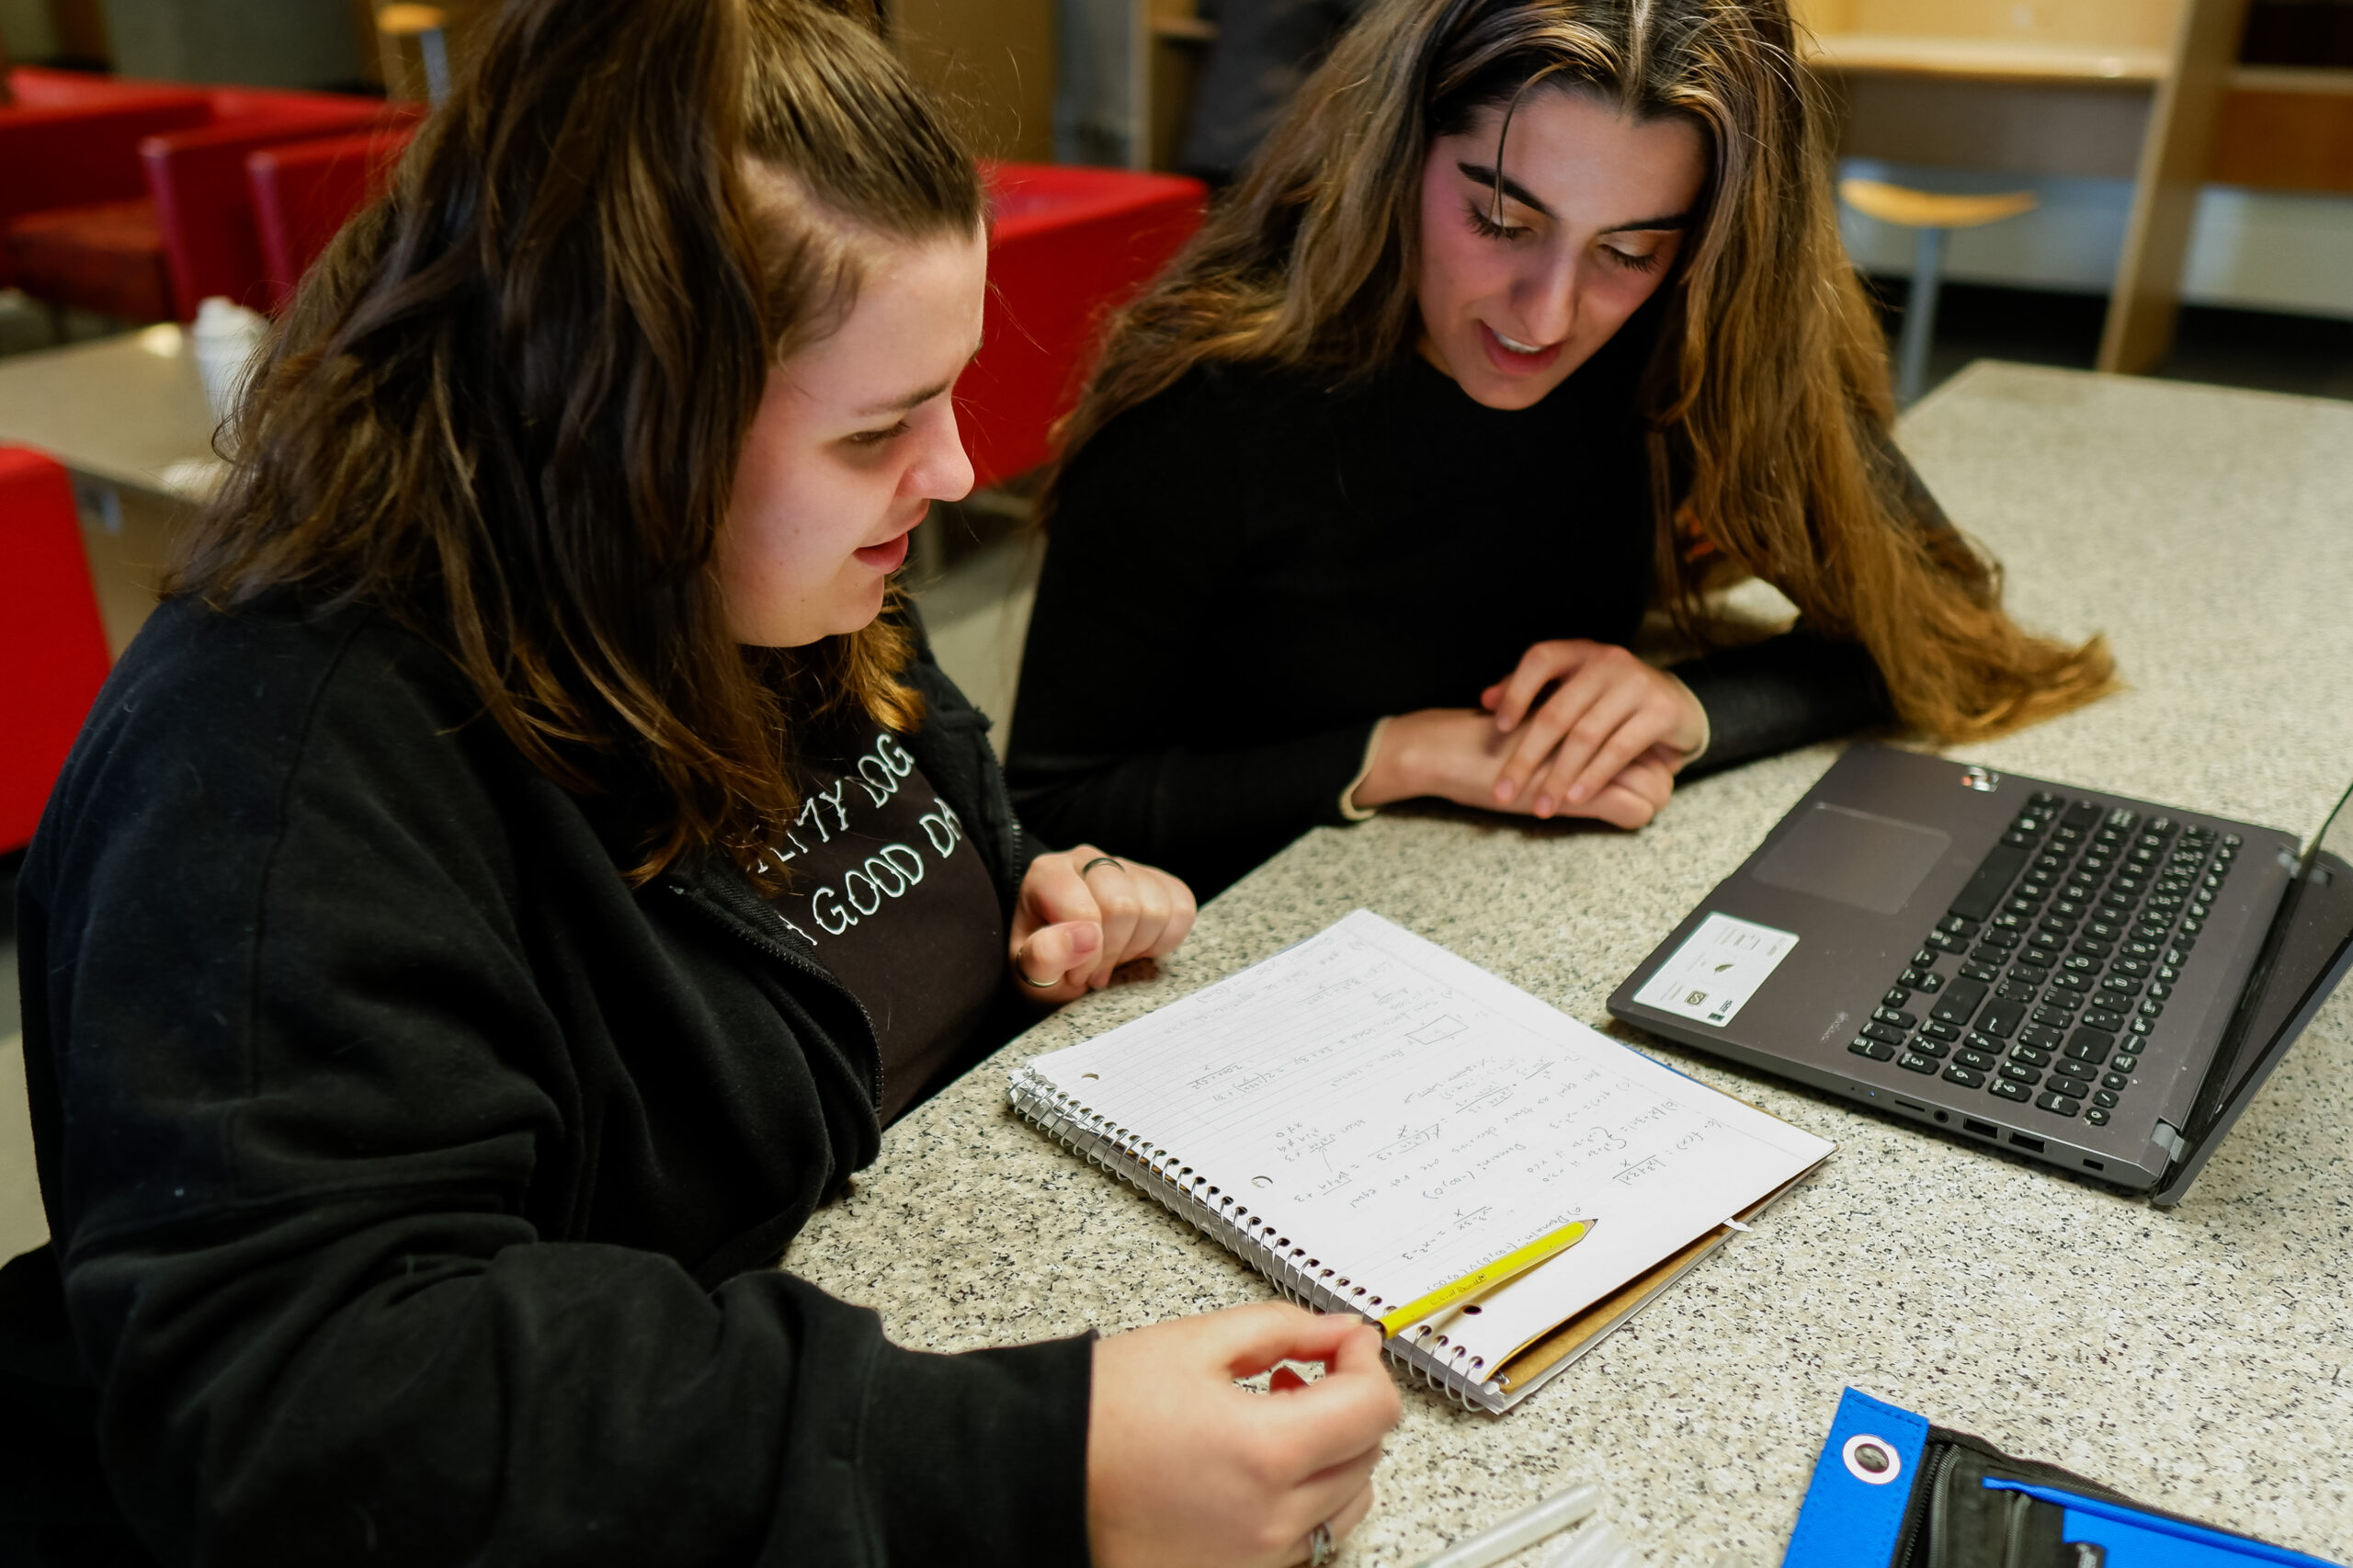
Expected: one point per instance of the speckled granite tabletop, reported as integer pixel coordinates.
(2196, 1359)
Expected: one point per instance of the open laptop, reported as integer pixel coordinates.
(2096, 983)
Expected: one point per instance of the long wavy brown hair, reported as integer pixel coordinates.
(507, 407)
(1766, 398)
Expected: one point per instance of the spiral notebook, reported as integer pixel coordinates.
(1365, 1117)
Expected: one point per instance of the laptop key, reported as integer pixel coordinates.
(1946, 942)
(2019, 1073)
(2001, 1019)
(2068, 1067)
(1930, 1047)
(2104, 1097)
(1960, 1002)
(1992, 878)
(2124, 1063)
(1940, 1031)
(2113, 1082)
(1891, 1017)
(1871, 1049)
(2080, 816)
(1914, 1062)
(2091, 1045)
(1977, 1059)
(1883, 1034)
(2052, 1017)
(2053, 1101)
(2030, 1056)
(2023, 991)
(1896, 998)
(2096, 1117)
(1956, 1073)
(2041, 1036)
(1971, 969)
(2010, 1091)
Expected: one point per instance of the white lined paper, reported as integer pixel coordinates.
(1400, 1117)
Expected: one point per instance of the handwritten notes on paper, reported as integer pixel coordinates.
(1402, 1118)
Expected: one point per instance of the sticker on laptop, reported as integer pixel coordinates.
(1716, 970)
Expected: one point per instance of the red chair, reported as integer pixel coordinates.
(52, 646)
(1071, 245)
(204, 205)
(91, 217)
(304, 193)
(67, 147)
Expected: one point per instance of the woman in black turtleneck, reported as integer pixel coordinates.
(1532, 318)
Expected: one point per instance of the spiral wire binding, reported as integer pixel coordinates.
(1152, 1170)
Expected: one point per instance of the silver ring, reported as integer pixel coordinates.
(1320, 1549)
(1101, 860)
(1041, 984)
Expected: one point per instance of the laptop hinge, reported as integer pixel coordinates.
(2170, 1140)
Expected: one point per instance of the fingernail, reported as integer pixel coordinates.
(1544, 806)
(1085, 939)
(1577, 792)
(1506, 789)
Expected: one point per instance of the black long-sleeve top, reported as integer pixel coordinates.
(414, 1180)
(1248, 571)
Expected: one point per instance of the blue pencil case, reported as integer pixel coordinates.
(1892, 1489)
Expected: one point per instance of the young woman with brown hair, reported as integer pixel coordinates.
(1530, 318)
(527, 858)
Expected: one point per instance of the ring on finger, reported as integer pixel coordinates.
(1321, 1549)
(1041, 984)
(1101, 860)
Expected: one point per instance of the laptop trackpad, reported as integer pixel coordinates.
(1854, 858)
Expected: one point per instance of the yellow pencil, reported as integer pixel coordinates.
(1481, 1280)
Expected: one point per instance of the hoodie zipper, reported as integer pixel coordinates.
(762, 943)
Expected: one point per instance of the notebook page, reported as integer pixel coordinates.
(1405, 1117)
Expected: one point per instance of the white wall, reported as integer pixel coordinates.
(2258, 249)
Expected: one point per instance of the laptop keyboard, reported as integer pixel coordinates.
(2049, 975)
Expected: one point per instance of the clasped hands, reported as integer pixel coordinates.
(1579, 729)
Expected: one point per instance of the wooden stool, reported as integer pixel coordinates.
(1931, 217)
(430, 25)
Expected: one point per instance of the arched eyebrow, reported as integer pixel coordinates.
(1485, 174)
(915, 399)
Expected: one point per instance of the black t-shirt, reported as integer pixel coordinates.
(898, 906)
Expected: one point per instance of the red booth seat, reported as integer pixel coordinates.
(204, 204)
(1071, 245)
(75, 145)
(305, 192)
(52, 646)
(63, 155)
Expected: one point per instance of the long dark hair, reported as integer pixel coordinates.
(1768, 396)
(507, 407)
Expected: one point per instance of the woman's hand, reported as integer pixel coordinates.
(1607, 709)
(1185, 1468)
(1456, 754)
(1083, 914)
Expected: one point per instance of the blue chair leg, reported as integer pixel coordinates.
(1920, 315)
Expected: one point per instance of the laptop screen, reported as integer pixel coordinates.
(2312, 926)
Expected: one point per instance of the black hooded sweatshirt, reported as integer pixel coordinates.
(415, 1182)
